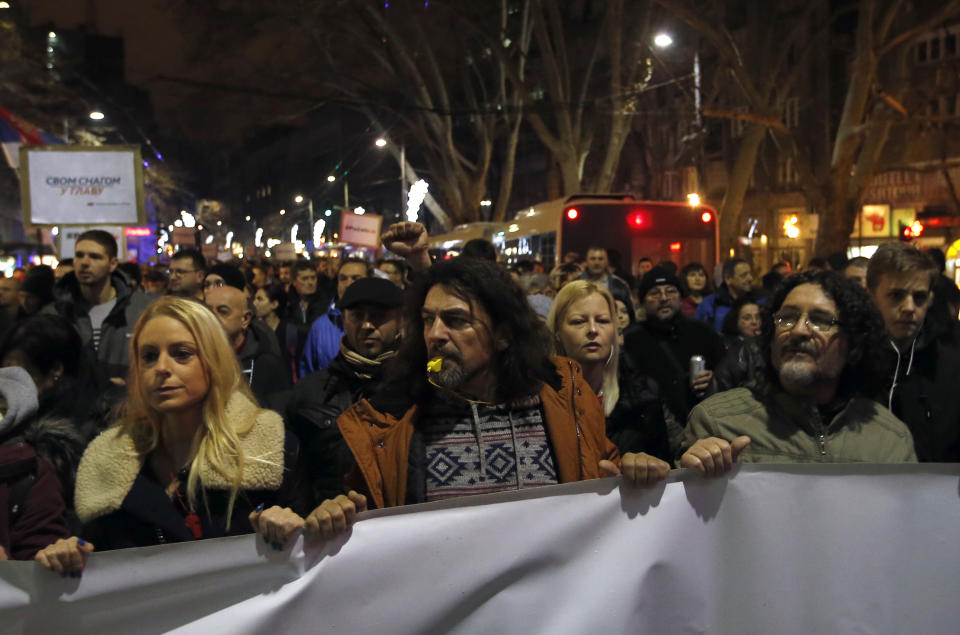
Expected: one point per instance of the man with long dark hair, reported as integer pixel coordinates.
(473, 403)
(821, 341)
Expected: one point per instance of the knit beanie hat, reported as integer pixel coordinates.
(657, 276)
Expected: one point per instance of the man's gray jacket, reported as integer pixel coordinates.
(787, 430)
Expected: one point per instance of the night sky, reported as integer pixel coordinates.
(154, 44)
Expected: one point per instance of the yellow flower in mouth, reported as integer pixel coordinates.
(434, 365)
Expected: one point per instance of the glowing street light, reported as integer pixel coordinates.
(359, 211)
(219, 223)
(4, 5)
(96, 115)
(486, 203)
(380, 143)
(331, 178)
(327, 212)
(662, 40)
(694, 199)
(282, 212)
(298, 199)
(246, 218)
(51, 35)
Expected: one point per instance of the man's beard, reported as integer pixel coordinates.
(451, 375)
(801, 375)
(655, 315)
(798, 375)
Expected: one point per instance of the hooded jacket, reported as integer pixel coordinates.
(32, 507)
(121, 505)
(922, 392)
(388, 452)
(113, 353)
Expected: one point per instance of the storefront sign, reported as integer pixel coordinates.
(910, 188)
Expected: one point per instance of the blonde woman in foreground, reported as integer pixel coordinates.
(191, 456)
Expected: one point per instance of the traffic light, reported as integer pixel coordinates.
(911, 231)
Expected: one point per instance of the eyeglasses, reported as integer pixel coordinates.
(179, 272)
(816, 320)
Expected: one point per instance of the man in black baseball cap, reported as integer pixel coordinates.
(371, 322)
(662, 345)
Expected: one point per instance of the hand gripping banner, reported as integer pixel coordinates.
(799, 549)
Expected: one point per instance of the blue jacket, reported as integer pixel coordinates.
(714, 308)
(323, 343)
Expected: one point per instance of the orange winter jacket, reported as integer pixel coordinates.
(381, 443)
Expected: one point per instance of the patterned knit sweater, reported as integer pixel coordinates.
(477, 448)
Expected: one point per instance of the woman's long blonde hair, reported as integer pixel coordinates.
(216, 445)
(573, 292)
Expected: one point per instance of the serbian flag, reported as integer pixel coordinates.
(15, 132)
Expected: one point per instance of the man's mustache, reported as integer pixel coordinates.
(801, 347)
(447, 353)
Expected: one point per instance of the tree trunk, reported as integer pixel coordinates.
(836, 225)
(737, 183)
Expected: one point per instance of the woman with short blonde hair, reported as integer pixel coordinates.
(191, 456)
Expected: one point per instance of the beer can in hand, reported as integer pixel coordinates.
(697, 365)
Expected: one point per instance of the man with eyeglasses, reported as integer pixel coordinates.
(187, 270)
(821, 342)
(662, 345)
(923, 355)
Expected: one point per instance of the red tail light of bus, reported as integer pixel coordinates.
(573, 213)
(676, 246)
(706, 217)
(636, 219)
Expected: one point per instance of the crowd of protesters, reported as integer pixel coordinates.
(142, 406)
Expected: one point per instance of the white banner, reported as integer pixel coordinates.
(64, 185)
(805, 549)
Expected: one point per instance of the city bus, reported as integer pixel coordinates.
(659, 230)
(451, 244)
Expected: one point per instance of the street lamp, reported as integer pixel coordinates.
(96, 115)
(298, 199)
(662, 40)
(331, 178)
(382, 143)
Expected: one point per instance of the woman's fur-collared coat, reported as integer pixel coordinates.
(121, 504)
